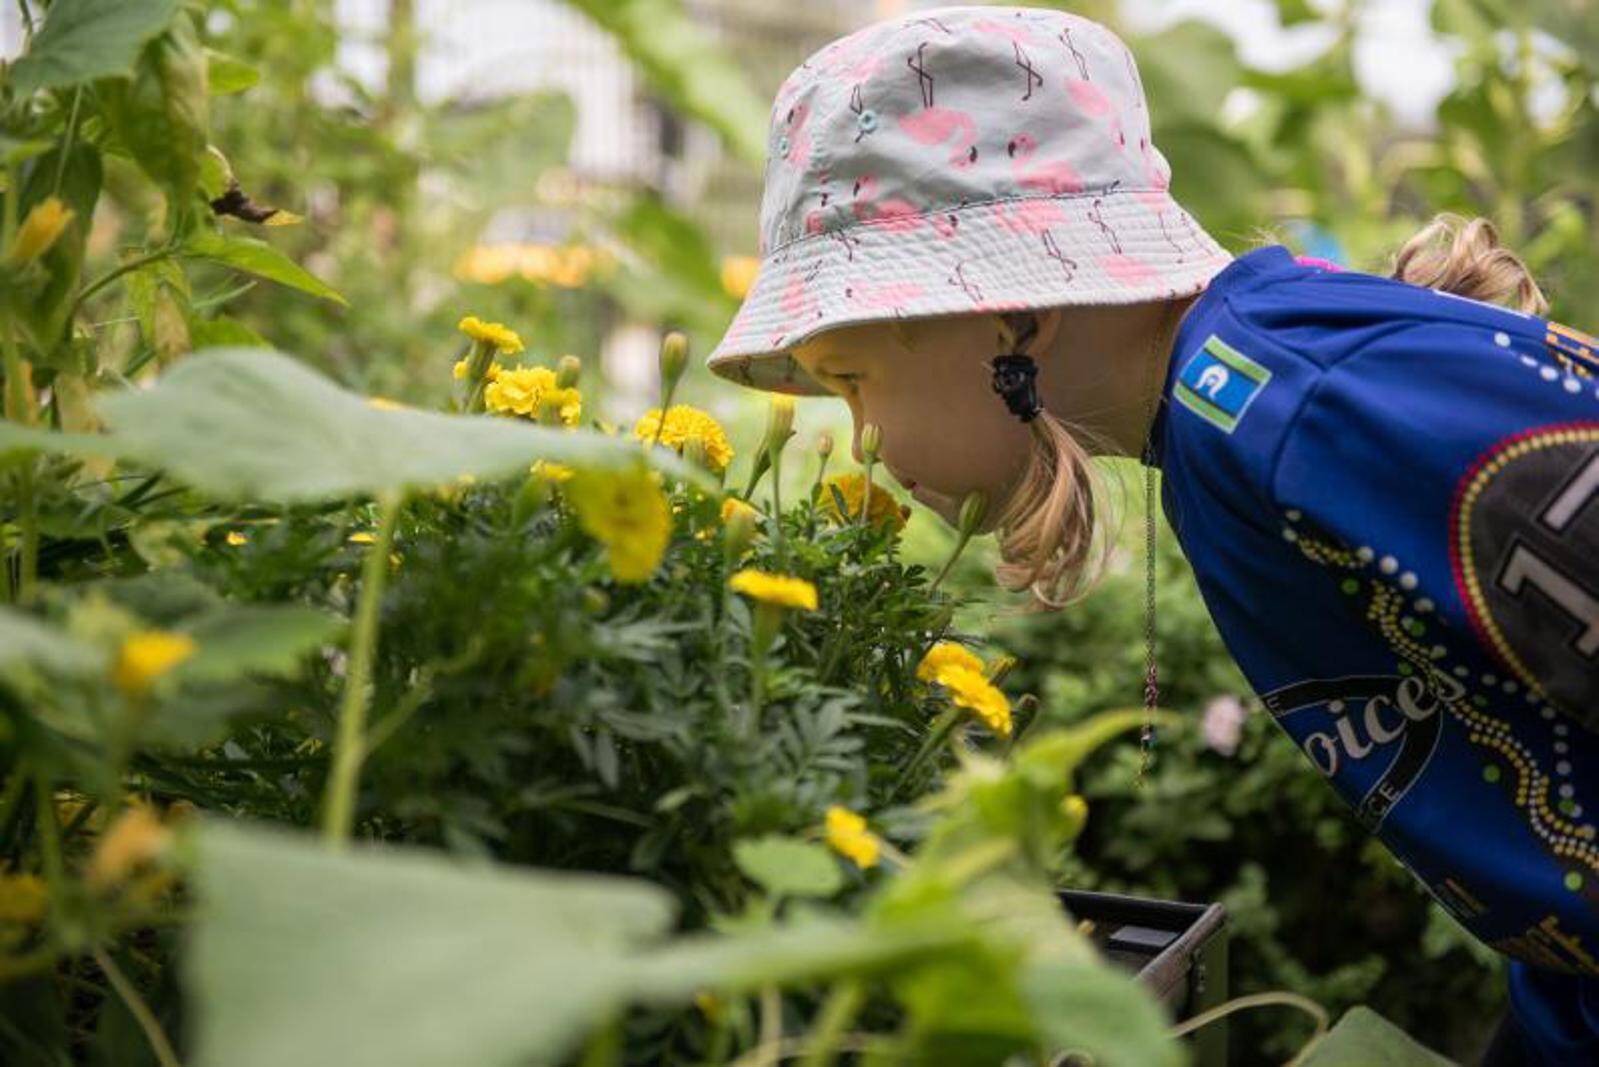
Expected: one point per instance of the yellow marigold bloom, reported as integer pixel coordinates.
(971, 690)
(362, 538)
(521, 390)
(627, 512)
(779, 589)
(383, 403)
(135, 838)
(236, 538)
(500, 336)
(883, 510)
(847, 835)
(738, 274)
(684, 422)
(146, 656)
(734, 506)
(39, 231)
(944, 654)
(23, 898)
(554, 472)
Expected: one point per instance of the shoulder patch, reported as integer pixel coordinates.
(1219, 382)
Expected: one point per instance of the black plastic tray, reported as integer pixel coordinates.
(1178, 950)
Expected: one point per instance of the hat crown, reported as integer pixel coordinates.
(917, 117)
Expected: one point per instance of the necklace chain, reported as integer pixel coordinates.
(1146, 734)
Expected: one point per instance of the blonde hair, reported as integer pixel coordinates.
(1051, 541)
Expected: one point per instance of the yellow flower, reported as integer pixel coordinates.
(383, 403)
(738, 274)
(734, 506)
(683, 423)
(236, 538)
(39, 231)
(627, 512)
(362, 538)
(492, 333)
(146, 656)
(778, 589)
(554, 472)
(944, 654)
(970, 690)
(883, 510)
(135, 838)
(23, 898)
(521, 390)
(847, 835)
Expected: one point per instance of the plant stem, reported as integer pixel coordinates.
(49, 833)
(837, 1013)
(866, 496)
(110, 276)
(139, 1009)
(960, 546)
(935, 737)
(339, 811)
(777, 502)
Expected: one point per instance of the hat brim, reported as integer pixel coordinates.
(1116, 247)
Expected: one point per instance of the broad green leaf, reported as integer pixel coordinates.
(226, 74)
(687, 68)
(26, 640)
(786, 866)
(86, 39)
(260, 639)
(222, 332)
(256, 257)
(1362, 1038)
(387, 957)
(161, 114)
(41, 308)
(254, 423)
(1087, 1006)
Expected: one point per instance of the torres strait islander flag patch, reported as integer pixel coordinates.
(1219, 383)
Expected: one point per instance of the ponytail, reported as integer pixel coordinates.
(1464, 257)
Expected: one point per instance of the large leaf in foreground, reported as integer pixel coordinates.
(254, 423)
(389, 957)
(86, 39)
(1362, 1038)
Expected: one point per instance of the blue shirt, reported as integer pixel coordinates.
(1390, 499)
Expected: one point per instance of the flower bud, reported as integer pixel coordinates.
(974, 508)
(779, 421)
(674, 357)
(739, 531)
(871, 441)
(39, 231)
(1001, 666)
(568, 371)
(824, 444)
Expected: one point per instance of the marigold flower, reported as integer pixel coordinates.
(500, 336)
(734, 506)
(684, 423)
(945, 654)
(627, 512)
(970, 690)
(848, 836)
(38, 231)
(236, 538)
(882, 510)
(23, 898)
(136, 837)
(521, 390)
(738, 274)
(779, 589)
(146, 656)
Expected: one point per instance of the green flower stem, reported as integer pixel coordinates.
(960, 546)
(777, 501)
(165, 251)
(866, 496)
(768, 617)
(49, 832)
(838, 1012)
(339, 810)
(936, 736)
(480, 359)
(666, 402)
(138, 1009)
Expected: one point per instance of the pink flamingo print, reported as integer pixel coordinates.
(799, 138)
(936, 125)
(895, 215)
(1092, 100)
(1127, 269)
(1030, 216)
(868, 294)
(1052, 177)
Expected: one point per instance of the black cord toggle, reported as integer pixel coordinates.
(1015, 373)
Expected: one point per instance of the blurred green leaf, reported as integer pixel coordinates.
(26, 640)
(787, 866)
(238, 640)
(1362, 1038)
(86, 39)
(226, 74)
(256, 257)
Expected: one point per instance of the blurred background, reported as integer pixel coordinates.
(588, 172)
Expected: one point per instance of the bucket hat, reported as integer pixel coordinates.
(958, 159)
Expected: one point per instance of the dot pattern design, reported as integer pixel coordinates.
(1532, 788)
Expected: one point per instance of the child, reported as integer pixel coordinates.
(1388, 488)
